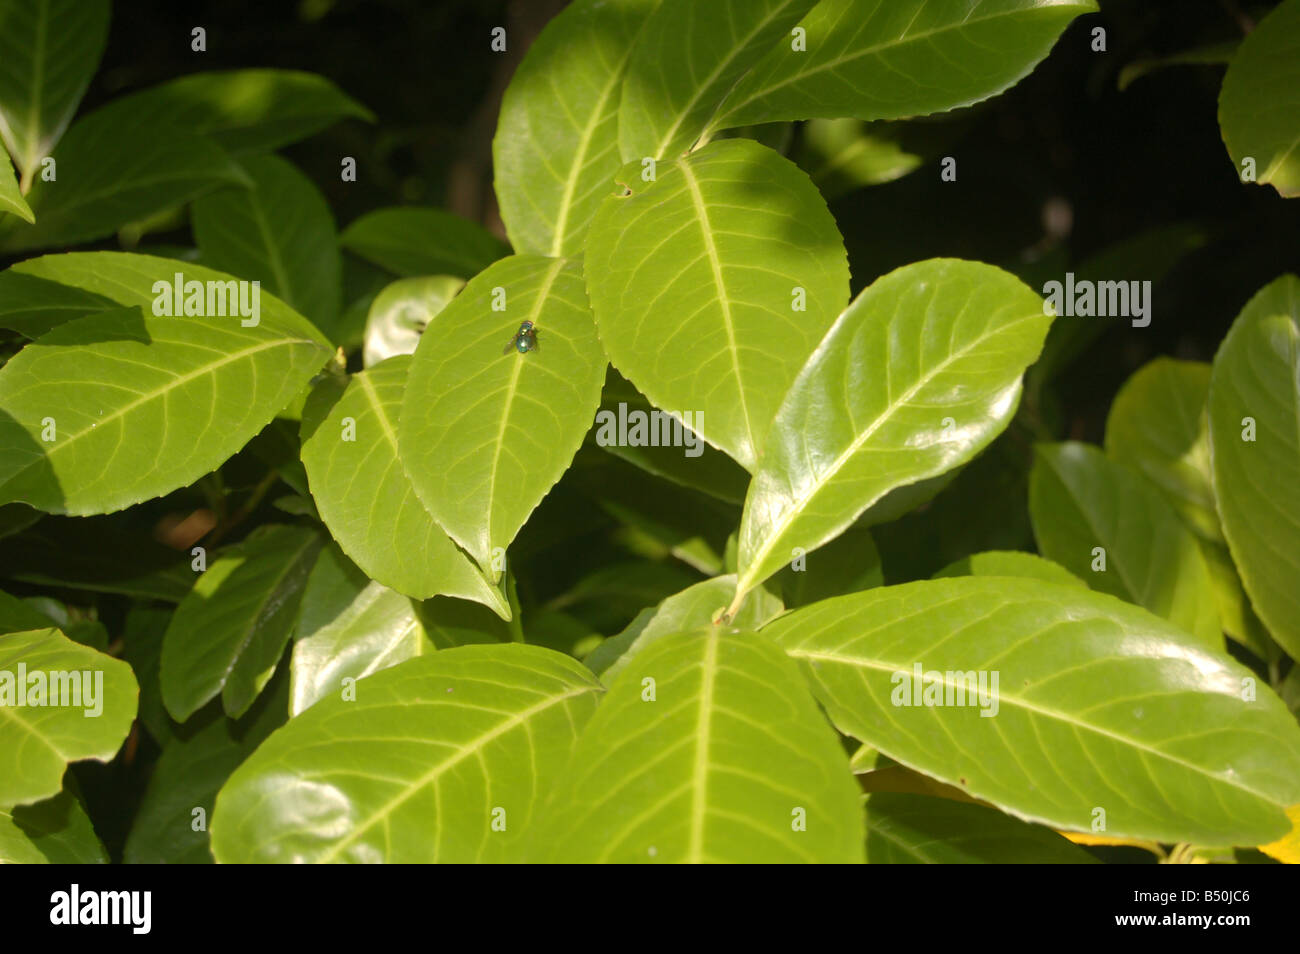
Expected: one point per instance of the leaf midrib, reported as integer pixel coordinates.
(867, 51)
(720, 285)
(709, 80)
(793, 513)
(703, 737)
(859, 662)
(146, 398)
(473, 747)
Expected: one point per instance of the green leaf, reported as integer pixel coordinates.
(245, 111)
(11, 199)
(708, 748)
(112, 169)
(484, 435)
(1080, 500)
(556, 148)
(697, 279)
(417, 769)
(56, 831)
(889, 59)
(56, 288)
(32, 305)
(1099, 704)
(50, 49)
(916, 377)
(350, 627)
(1256, 376)
(452, 623)
(279, 232)
(1259, 104)
(17, 616)
(364, 493)
(400, 313)
(118, 407)
(227, 636)
(96, 704)
(188, 775)
(1010, 563)
(674, 84)
(922, 829)
(414, 242)
(693, 608)
(841, 155)
(1157, 426)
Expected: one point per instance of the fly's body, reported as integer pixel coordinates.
(525, 339)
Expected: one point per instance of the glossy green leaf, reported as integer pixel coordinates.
(279, 232)
(60, 702)
(485, 435)
(418, 768)
(118, 407)
(687, 57)
(1098, 705)
(1255, 440)
(556, 148)
(921, 829)
(1157, 426)
(1259, 105)
(364, 493)
(254, 110)
(350, 627)
(889, 59)
(713, 284)
(112, 169)
(11, 200)
(55, 288)
(916, 377)
(1010, 563)
(227, 636)
(188, 775)
(55, 831)
(693, 608)
(414, 241)
(708, 748)
(400, 313)
(1080, 500)
(50, 49)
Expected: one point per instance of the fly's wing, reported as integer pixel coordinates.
(537, 345)
(509, 346)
